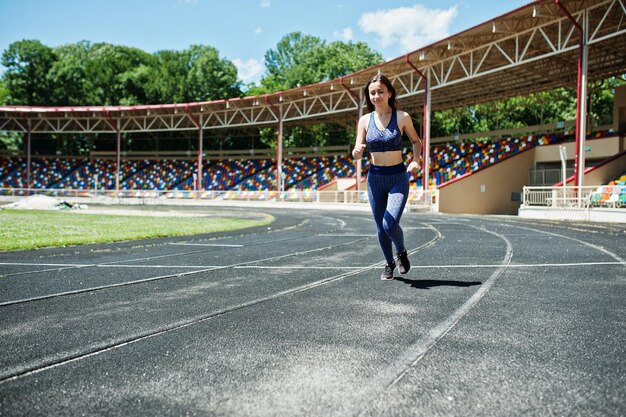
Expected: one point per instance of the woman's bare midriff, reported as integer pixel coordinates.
(386, 159)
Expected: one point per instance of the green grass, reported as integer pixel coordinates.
(29, 229)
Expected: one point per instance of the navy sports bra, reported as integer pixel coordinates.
(389, 139)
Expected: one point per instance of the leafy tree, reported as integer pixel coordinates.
(27, 64)
(602, 99)
(166, 79)
(344, 58)
(4, 93)
(106, 69)
(209, 77)
(301, 59)
(67, 77)
(296, 61)
(195, 74)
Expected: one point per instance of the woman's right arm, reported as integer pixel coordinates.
(361, 130)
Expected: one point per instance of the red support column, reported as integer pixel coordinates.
(425, 127)
(198, 125)
(200, 152)
(359, 163)
(279, 144)
(118, 139)
(581, 96)
(28, 138)
(118, 161)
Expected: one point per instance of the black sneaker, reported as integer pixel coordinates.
(388, 272)
(403, 263)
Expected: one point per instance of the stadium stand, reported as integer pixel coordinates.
(611, 195)
(448, 161)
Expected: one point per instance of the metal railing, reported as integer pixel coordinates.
(419, 200)
(560, 198)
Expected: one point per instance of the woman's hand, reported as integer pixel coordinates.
(358, 150)
(413, 167)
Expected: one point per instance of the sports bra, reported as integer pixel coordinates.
(389, 139)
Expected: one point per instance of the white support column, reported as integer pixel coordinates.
(426, 134)
(200, 151)
(28, 139)
(279, 152)
(359, 162)
(582, 122)
(118, 166)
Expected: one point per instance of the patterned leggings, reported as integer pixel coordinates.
(388, 191)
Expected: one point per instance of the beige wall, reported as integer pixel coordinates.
(600, 149)
(488, 191)
(605, 173)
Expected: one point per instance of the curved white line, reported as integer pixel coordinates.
(591, 245)
(414, 353)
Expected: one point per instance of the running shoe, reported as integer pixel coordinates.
(387, 274)
(403, 263)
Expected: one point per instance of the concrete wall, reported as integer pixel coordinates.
(606, 172)
(489, 190)
(600, 149)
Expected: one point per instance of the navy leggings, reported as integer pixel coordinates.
(388, 191)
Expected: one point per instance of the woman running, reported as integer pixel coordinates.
(388, 178)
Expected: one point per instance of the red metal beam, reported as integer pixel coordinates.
(579, 109)
(197, 124)
(425, 118)
(118, 139)
(279, 143)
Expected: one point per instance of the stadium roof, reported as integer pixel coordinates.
(530, 49)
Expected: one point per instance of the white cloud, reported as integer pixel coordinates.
(408, 27)
(258, 31)
(345, 34)
(249, 71)
(265, 4)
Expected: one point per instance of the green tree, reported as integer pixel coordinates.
(108, 69)
(297, 60)
(209, 77)
(602, 99)
(166, 79)
(344, 58)
(301, 59)
(11, 141)
(195, 74)
(4, 93)
(67, 78)
(27, 64)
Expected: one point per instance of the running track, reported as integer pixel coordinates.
(499, 316)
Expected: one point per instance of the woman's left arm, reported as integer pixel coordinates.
(409, 130)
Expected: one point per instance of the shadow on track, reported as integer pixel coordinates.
(425, 284)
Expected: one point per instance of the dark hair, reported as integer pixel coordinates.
(380, 78)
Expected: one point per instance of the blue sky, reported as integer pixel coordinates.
(243, 30)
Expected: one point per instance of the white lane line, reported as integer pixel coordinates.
(345, 235)
(413, 354)
(181, 325)
(222, 245)
(159, 266)
(37, 264)
(416, 352)
(476, 266)
(176, 275)
(591, 245)
(297, 267)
